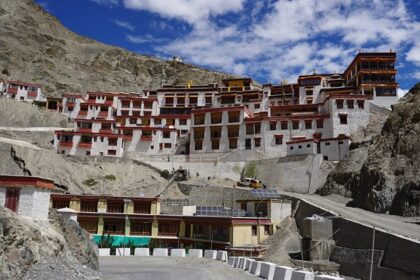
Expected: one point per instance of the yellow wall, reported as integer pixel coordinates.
(127, 227)
(182, 229)
(102, 205)
(236, 83)
(155, 208)
(75, 204)
(129, 207)
(155, 228)
(242, 235)
(100, 225)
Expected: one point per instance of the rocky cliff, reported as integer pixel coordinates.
(36, 47)
(58, 249)
(382, 175)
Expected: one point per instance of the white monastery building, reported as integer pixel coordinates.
(238, 118)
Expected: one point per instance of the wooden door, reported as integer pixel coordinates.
(12, 198)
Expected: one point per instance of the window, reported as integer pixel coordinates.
(167, 145)
(295, 124)
(340, 103)
(215, 144)
(133, 121)
(248, 144)
(257, 128)
(327, 143)
(340, 142)
(308, 145)
(309, 92)
(249, 129)
(361, 104)
(343, 119)
(257, 142)
(113, 227)
(267, 229)
(158, 121)
(140, 228)
(58, 204)
(168, 229)
(257, 106)
(166, 134)
(319, 123)
(254, 230)
(112, 141)
(284, 125)
(273, 125)
(300, 146)
(278, 139)
(261, 209)
(87, 153)
(183, 122)
(88, 224)
(198, 145)
(243, 206)
(350, 104)
(88, 206)
(115, 206)
(308, 124)
(291, 147)
(112, 152)
(233, 143)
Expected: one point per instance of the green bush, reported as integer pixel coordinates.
(90, 182)
(110, 177)
(251, 170)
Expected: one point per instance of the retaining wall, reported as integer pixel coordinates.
(397, 257)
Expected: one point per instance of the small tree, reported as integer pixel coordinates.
(251, 169)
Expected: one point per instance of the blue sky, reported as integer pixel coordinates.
(268, 40)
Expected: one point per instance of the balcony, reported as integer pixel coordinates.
(66, 144)
(32, 94)
(85, 145)
(147, 138)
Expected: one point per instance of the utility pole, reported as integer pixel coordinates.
(371, 257)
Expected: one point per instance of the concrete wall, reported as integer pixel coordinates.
(2, 196)
(397, 257)
(33, 203)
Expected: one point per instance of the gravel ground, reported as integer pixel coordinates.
(168, 268)
(61, 269)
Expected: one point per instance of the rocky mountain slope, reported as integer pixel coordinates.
(59, 249)
(36, 47)
(383, 175)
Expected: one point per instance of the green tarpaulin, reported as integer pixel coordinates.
(119, 240)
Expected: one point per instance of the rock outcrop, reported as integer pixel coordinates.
(42, 250)
(384, 175)
(36, 47)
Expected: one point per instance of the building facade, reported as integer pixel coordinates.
(237, 118)
(139, 218)
(27, 196)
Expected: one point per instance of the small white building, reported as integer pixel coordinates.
(25, 195)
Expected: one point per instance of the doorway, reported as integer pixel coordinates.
(12, 199)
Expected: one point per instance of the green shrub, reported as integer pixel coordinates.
(90, 182)
(110, 177)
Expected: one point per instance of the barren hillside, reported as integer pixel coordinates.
(384, 176)
(36, 47)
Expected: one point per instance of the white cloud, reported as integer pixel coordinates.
(108, 3)
(401, 92)
(192, 11)
(413, 54)
(142, 39)
(282, 39)
(124, 24)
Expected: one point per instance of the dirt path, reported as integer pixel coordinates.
(393, 224)
(168, 268)
(19, 143)
(33, 129)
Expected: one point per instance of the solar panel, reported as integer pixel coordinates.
(218, 211)
(265, 193)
